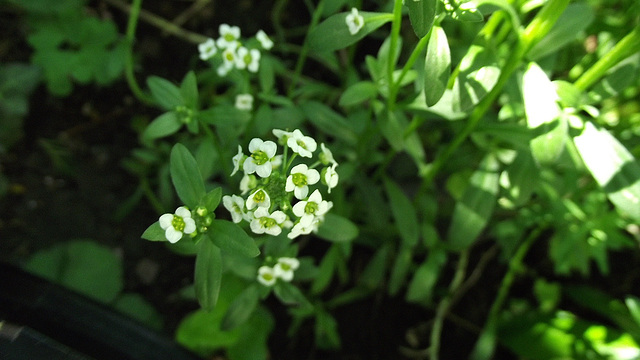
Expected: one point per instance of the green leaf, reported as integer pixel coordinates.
(520, 179)
(478, 74)
(473, 211)
(333, 33)
(208, 274)
(392, 128)
(575, 18)
(373, 274)
(326, 331)
(232, 239)
(154, 233)
(186, 176)
(326, 269)
(189, 90)
(254, 336)
(164, 125)
(166, 94)
(421, 286)
(437, 66)
(358, 93)
(543, 115)
(404, 214)
(337, 229)
(613, 167)
(401, 266)
(241, 308)
(83, 266)
(135, 306)
(422, 14)
(289, 294)
(212, 199)
(329, 121)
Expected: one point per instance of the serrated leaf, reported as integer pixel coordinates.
(166, 94)
(232, 239)
(185, 175)
(437, 66)
(208, 274)
(404, 214)
(613, 167)
(337, 229)
(164, 125)
(422, 14)
(333, 33)
(473, 211)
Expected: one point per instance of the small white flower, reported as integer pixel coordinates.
(303, 227)
(266, 276)
(229, 58)
(354, 21)
(326, 156)
(265, 223)
(207, 49)
(259, 198)
(301, 176)
(264, 40)
(312, 207)
(237, 160)
(282, 136)
(249, 59)
(235, 205)
(300, 144)
(223, 70)
(285, 267)
(174, 225)
(244, 102)
(260, 161)
(330, 177)
(247, 183)
(229, 36)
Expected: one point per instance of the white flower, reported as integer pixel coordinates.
(303, 227)
(312, 207)
(264, 40)
(301, 176)
(300, 144)
(263, 222)
(249, 59)
(247, 183)
(235, 205)
(223, 70)
(266, 276)
(285, 267)
(237, 160)
(259, 198)
(282, 136)
(326, 156)
(229, 58)
(229, 36)
(330, 177)
(174, 225)
(260, 161)
(354, 21)
(244, 102)
(207, 49)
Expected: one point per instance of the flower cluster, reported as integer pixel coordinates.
(234, 53)
(283, 269)
(272, 182)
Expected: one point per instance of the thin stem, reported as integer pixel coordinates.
(130, 36)
(315, 19)
(395, 86)
(151, 197)
(395, 34)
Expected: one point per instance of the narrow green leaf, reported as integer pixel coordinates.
(373, 274)
(154, 233)
(437, 66)
(166, 94)
(333, 33)
(241, 308)
(404, 214)
(329, 121)
(473, 211)
(164, 125)
(208, 274)
(543, 115)
(189, 90)
(613, 167)
(479, 72)
(358, 93)
(326, 269)
(212, 199)
(422, 14)
(421, 286)
(231, 238)
(575, 18)
(337, 229)
(400, 269)
(289, 294)
(392, 129)
(326, 331)
(186, 176)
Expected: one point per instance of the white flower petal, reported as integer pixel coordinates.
(172, 235)
(183, 212)
(165, 221)
(189, 226)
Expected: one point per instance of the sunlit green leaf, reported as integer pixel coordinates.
(478, 74)
(422, 14)
(437, 66)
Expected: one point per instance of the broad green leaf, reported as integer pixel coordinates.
(241, 308)
(166, 94)
(424, 280)
(520, 179)
(358, 93)
(329, 121)
(473, 211)
(189, 90)
(135, 306)
(208, 274)
(613, 167)
(437, 66)
(154, 233)
(232, 239)
(543, 114)
(164, 125)
(336, 228)
(422, 14)
(208, 158)
(185, 175)
(400, 269)
(478, 73)
(404, 214)
(83, 266)
(575, 18)
(333, 33)
(254, 336)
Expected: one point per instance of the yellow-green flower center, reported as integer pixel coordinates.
(260, 196)
(178, 223)
(247, 59)
(311, 207)
(267, 222)
(229, 37)
(285, 266)
(301, 144)
(260, 157)
(299, 179)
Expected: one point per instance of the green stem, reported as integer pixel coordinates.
(151, 197)
(395, 34)
(130, 36)
(443, 306)
(395, 86)
(315, 19)
(626, 47)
